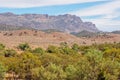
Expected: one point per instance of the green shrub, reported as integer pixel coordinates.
(28, 61)
(99, 62)
(2, 46)
(10, 53)
(2, 72)
(51, 72)
(71, 72)
(112, 53)
(38, 50)
(24, 46)
(75, 47)
(66, 50)
(52, 49)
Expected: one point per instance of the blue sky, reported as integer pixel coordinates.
(104, 13)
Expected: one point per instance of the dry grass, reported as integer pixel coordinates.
(40, 39)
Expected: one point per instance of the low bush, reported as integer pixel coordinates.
(24, 47)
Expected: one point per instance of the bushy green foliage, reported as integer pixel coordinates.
(52, 72)
(2, 72)
(112, 53)
(71, 72)
(110, 69)
(38, 50)
(75, 47)
(27, 62)
(24, 46)
(2, 46)
(53, 49)
(10, 53)
(93, 62)
(65, 49)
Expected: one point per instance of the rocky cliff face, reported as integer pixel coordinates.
(67, 23)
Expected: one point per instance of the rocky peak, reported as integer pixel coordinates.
(67, 23)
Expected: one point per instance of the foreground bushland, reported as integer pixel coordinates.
(95, 62)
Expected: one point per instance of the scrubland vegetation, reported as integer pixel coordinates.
(94, 62)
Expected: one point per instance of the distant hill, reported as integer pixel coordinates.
(85, 34)
(66, 23)
(41, 39)
(116, 32)
(51, 30)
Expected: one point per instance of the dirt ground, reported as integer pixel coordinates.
(40, 39)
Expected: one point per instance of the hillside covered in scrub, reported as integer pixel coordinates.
(95, 62)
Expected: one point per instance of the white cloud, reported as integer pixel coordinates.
(38, 3)
(107, 12)
(103, 9)
(105, 24)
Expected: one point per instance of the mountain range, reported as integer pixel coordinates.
(65, 23)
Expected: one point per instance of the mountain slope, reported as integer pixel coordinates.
(4, 27)
(85, 34)
(67, 23)
(116, 32)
